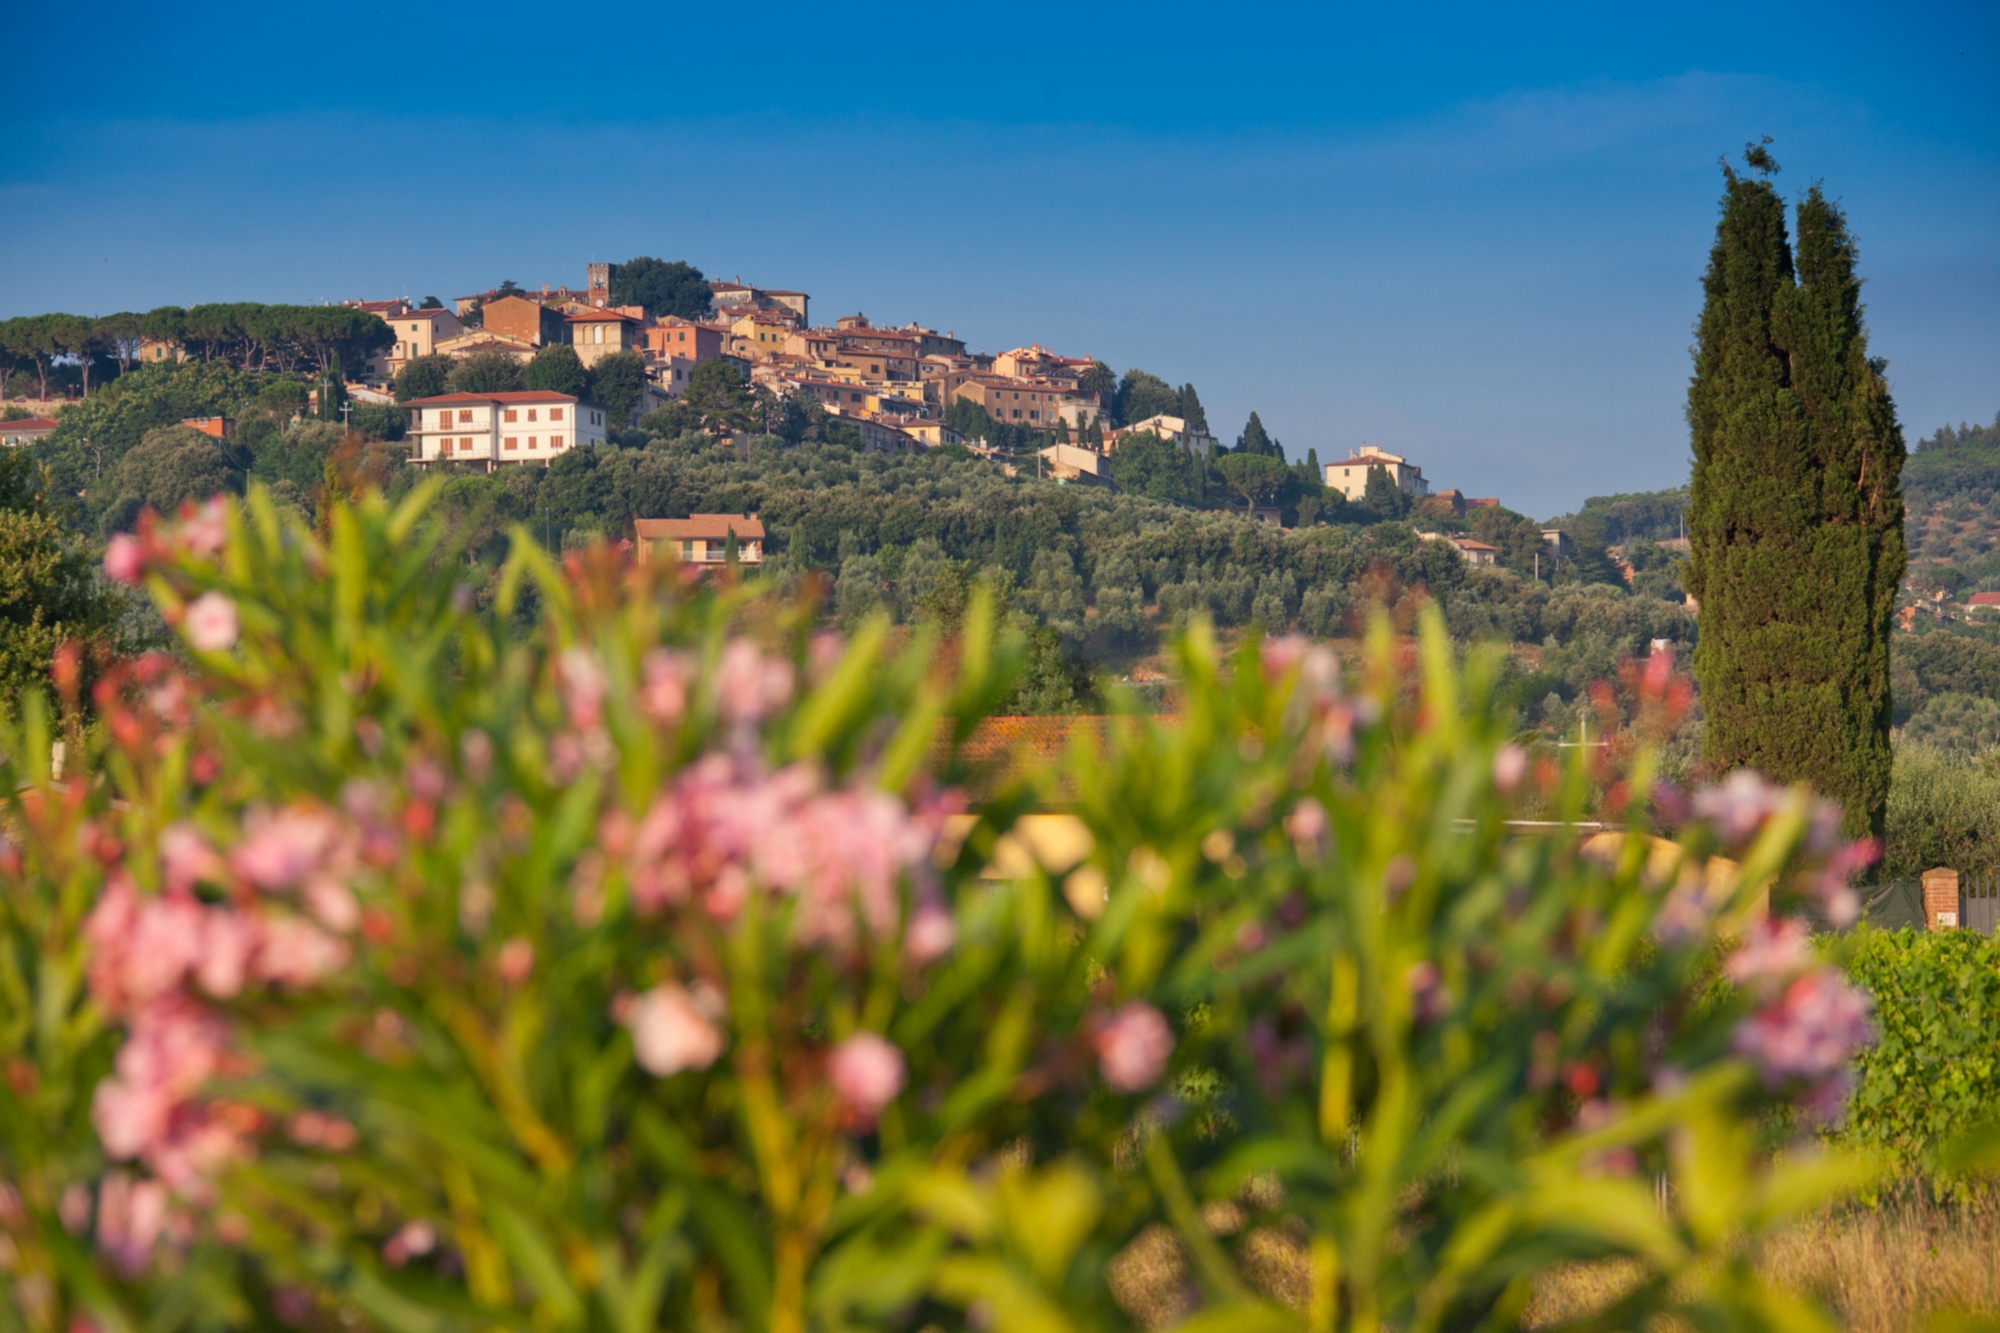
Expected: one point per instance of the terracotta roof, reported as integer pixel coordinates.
(509, 396)
(28, 423)
(1468, 544)
(1977, 599)
(603, 317)
(714, 527)
(432, 313)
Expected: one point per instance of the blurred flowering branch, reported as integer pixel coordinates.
(418, 967)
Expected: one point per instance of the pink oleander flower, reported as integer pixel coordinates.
(125, 559)
(475, 754)
(73, 1209)
(203, 530)
(516, 961)
(930, 934)
(1806, 1035)
(174, 1047)
(1834, 889)
(1133, 1046)
(140, 948)
(1306, 825)
(316, 1129)
(726, 824)
(1739, 805)
(210, 623)
(1318, 668)
(284, 846)
(823, 654)
(1510, 765)
(294, 952)
(332, 904)
(584, 685)
(130, 1218)
(187, 857)
(229, 943)
(673, 1031)
(750, 684)
(668, 677)
(866, 1073)
(1772, 952)
(412, 1240)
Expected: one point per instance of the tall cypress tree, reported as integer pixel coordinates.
(1795, 521)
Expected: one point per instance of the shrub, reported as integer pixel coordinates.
(1944, 810)
(612, 953)
(1934, 1071)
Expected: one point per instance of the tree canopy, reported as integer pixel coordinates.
(1259, 479)
(425, 377)
(49, 590)
(558, 369)
(618, 384)
(663, 288)
(1142, 395)
(1145, 464)
(486, 372)
(1188, 407)
(1256, 440)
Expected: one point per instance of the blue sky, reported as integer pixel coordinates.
(1473, 234)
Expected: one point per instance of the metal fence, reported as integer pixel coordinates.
(1979, 901)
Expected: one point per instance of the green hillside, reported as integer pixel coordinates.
(1951, 488)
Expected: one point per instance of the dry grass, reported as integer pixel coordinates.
(1879, 1271)
(1885, 1270)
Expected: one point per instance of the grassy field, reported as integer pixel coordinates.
(1886, 1270)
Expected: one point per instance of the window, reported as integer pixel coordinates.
(531, 414)
(534, 442)
(555, 441)
(555, 414)
(465, 445)
(508, 415)
(511, 442)
(1031, 414)
(465, 416)
(1017, 411)
(444, 419)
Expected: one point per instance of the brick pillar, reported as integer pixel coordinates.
(1941, 898)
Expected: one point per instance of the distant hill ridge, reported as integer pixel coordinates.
(1951, 487)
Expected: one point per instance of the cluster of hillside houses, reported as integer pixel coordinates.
(892, 385)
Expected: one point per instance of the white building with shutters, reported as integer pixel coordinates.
(488, 429)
